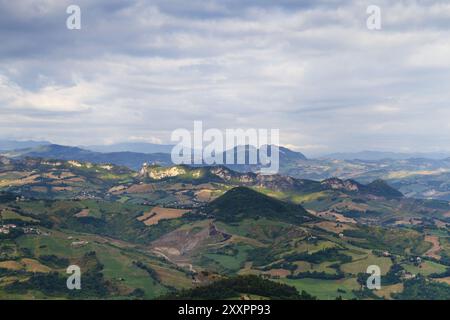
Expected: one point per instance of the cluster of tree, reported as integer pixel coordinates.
(364, 293)
(281, 265)
(152, 273)
(54, 261)
(421, 288)
(444, 274)
(351, 213)
(361, 278)
(328, 254)
(393, 276)
(228, 250)
(10, 272)
(445, 259)
(6, 197)
(54, 284)
(13, 234)
(382, 239)
(261, 256)
(317, 275)
(93, 284)
(236, 286)
(137, 293)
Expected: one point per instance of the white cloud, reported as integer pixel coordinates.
(143, 68)
(434, 55)
(50, 98)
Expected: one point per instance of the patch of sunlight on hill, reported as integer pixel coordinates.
(291, 196)
(405, 174)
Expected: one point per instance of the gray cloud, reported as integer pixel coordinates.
(139, 69)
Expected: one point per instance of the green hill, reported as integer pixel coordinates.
(381, 188)
(241, 285)
(242, 203)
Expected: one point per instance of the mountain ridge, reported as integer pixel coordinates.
(6, 145)
(136, 147)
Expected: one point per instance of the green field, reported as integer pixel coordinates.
(325, 289)
(361, 265)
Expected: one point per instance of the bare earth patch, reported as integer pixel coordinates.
(279, 273)
(32, 265)
(117, 189)
(82, 213)
(11, 265)
(444, 280)
(440, 224)
(159, 213)
(59, 189)
(145, 216)
(29, 265)
(75, 180)
(141, 188)
(434, 250)
(204, 195)
(387, 291)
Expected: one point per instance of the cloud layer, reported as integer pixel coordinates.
(139, 69)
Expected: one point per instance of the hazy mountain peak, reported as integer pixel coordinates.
(380, 187)
(139, 147)
(15, 145)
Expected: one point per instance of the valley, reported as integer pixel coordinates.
(165, 231)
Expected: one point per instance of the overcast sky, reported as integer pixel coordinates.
(139, 69)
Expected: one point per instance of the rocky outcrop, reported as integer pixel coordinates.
(343, 185)
(158, 173)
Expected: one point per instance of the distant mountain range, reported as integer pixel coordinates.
(151, 148)
(381, 155)
(414, 177)
(13, 144)
(102, 177)
(131, 160)
(137, 147)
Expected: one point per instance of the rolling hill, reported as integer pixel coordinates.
(151, 233)
(242, 203)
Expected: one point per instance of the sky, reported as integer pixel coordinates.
(137, 70)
